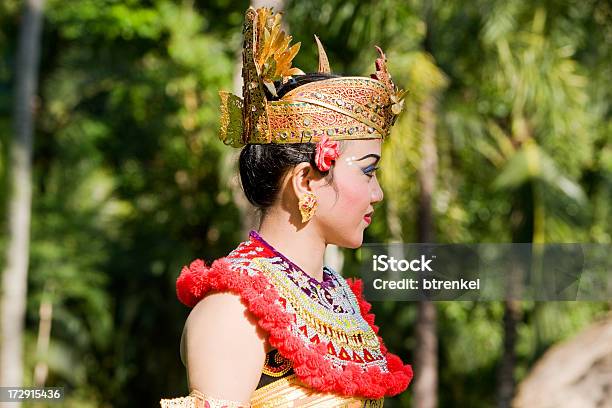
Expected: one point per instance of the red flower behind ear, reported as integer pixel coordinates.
(327, 152)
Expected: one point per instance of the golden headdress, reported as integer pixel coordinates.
(339, 108)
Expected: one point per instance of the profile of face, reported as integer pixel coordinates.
(345, 206)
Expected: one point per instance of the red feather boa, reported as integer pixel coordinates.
(308, 361)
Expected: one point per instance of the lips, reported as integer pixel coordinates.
(368, 217)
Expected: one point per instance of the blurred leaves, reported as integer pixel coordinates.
(131, 182)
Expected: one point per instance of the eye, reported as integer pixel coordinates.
(370, 171)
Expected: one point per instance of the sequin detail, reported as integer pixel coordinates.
(325, 312)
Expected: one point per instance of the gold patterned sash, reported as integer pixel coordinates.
(289, 392)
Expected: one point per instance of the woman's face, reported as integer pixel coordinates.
(346, 205)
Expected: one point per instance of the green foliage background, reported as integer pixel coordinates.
(131, 183)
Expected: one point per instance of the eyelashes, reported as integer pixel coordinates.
(369, 171)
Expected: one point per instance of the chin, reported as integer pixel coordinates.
(352, 242)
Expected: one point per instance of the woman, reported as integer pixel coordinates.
(264, 331)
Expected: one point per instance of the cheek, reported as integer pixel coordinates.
(350, 197)
(353, 197)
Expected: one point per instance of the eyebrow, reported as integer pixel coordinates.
(377, 157)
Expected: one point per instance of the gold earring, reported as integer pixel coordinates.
(308, 206)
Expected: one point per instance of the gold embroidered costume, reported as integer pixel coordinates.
(326, 349)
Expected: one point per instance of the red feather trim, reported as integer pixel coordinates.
(309, 363)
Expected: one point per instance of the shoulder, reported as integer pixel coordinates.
(220, 314)
(224, 308)
(225, 349)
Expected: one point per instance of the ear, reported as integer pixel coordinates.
(301, 178)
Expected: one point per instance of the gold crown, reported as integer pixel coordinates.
(339, 108)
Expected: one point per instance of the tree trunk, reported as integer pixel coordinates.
(506, 384)
(522, 225)
(426, 358)
(45, 312)
(14, 279)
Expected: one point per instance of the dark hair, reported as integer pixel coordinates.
(262, 166)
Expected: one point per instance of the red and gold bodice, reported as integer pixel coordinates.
(326, 351)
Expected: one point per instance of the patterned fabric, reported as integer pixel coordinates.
(322, 328)
(325, 312)
(198, 400)
(275, 367)
(290, 392)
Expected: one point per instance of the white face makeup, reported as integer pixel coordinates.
(350, 160)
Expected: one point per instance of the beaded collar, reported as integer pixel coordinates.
(327, 274)
(325, 312)
(323, 328)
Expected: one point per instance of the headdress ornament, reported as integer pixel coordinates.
(335, 108)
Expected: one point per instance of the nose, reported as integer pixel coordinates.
(377, 193)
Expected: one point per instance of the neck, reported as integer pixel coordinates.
(303, 247)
